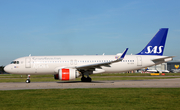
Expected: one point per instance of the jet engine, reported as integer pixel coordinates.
(66, 74)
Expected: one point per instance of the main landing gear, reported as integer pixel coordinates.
(84, 79)
(28, 79)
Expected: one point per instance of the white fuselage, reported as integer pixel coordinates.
(51, 64)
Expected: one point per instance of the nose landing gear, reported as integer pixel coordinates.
(28, 79)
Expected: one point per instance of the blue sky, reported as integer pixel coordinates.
(85, 27)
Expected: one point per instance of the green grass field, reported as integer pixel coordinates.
(95, 77)
(92, 99)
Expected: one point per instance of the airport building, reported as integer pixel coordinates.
(159, 67)
(172, 67)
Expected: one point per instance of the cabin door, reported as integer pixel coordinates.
(28, 62)
(139, 61)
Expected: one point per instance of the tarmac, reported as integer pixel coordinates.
(153, 83)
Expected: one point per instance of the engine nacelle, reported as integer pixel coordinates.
(67, 74)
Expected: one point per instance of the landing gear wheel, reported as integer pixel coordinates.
(84, 79)
(88, 79)
(28, 81)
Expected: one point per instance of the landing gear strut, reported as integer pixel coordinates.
(28, 79)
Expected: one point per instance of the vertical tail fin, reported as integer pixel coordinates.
(157, 44)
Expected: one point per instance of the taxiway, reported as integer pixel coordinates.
(154, 83)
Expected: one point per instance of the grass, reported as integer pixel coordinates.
(133, 74)
(95, 77)
(129, 78)
(104, 74)
(51, 79)
(92, 99)
(23, 76)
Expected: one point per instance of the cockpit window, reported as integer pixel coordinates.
(15, 62)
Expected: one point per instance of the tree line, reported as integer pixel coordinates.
(2, 69)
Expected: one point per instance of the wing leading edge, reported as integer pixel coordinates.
(98, 65)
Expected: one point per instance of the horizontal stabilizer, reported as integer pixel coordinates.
(164, 59)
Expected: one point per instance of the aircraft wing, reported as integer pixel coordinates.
(98, 65)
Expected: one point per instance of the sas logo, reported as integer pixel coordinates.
(154, 49)
(117, 57)
(176, 66)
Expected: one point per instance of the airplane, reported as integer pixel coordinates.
(158, 71)
(147, 70)
(71, 67)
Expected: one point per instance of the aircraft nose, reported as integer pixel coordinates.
(7, 69)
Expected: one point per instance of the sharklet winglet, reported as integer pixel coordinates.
(123, 55)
